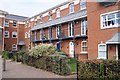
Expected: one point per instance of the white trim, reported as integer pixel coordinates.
(112, 42)
(112, 26)
(83, 52)
(21, 22)
(99, 57)
(8, 34)
(70, 8)
(116, 52)
(16, 34)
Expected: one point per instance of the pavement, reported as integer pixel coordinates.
(18, 70)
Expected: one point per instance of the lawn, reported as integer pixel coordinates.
(72, 64)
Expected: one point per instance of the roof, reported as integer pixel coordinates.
(51, 8)
(15, 17)
(115, 39)
(21, 42)
(3, 12)
(60, 20)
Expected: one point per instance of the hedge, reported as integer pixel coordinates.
(104, 70)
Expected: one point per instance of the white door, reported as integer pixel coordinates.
(71, 49)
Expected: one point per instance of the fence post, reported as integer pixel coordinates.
(77, 65)
(4, 64)
(60, 66)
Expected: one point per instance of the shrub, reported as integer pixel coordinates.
(42, 50)
(5, 54)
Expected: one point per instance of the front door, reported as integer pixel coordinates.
(71, 49)
(119, 51)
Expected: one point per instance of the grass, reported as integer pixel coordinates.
(72, 64)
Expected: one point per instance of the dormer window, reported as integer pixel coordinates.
(6, 23)
(14, 23)
(83, 4)
(50, 15)
(57, 13)
(40, 18)
(36, 22)
(72, 8)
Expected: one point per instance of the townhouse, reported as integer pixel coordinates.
(12, 31)
(89, 29)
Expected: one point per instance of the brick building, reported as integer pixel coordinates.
(90, 29)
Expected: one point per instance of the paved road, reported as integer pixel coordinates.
(18, 70)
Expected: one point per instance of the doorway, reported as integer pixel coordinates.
(71, 49)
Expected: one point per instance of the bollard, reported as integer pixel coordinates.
(4, 64)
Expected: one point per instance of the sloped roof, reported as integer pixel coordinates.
(15, 17)
(115, 39)
(60, 20)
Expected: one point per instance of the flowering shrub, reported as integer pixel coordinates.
(42, 50)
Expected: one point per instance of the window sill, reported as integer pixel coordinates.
(83, 52)
(101, 58)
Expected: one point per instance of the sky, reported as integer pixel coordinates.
(27, 8)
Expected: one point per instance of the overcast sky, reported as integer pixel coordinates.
(27, 8)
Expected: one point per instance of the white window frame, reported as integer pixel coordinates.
(35, 35)
(14, 47)
(57, 13)
(49, 32)
(35, 22)
(15, 26)
(103, 50)
(71, 29)
(50, 15)
(40, 18)
(58, 30)
(106, 14)
(7, 24)
(83, 4)
(26, 34)
(84, 25)
(8, 34)
(41, 34)
(14, 33)
(71, 9)
(84, 46)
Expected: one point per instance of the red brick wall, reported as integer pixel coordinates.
(10, 41)
(112, 52)
(95, 34)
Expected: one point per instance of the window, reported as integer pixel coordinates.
(58, 30)
(14, 47)
(57, 13)
(84, 47)
(101, 51)
(35, 35)
(14, 23)
(41, 34)
(26, 34)
(50, 15)
(36, 22)
(50, 32)
(71, 8)
(83, 4)
(6, 34)
(6, 23)
(84, 26)
(14, 34)
(27, 24)
(71, 29)
(110, 20)
(40, 18)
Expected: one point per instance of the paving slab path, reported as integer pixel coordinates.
(18, 70)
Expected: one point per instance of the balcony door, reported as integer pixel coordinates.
(71, 49)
